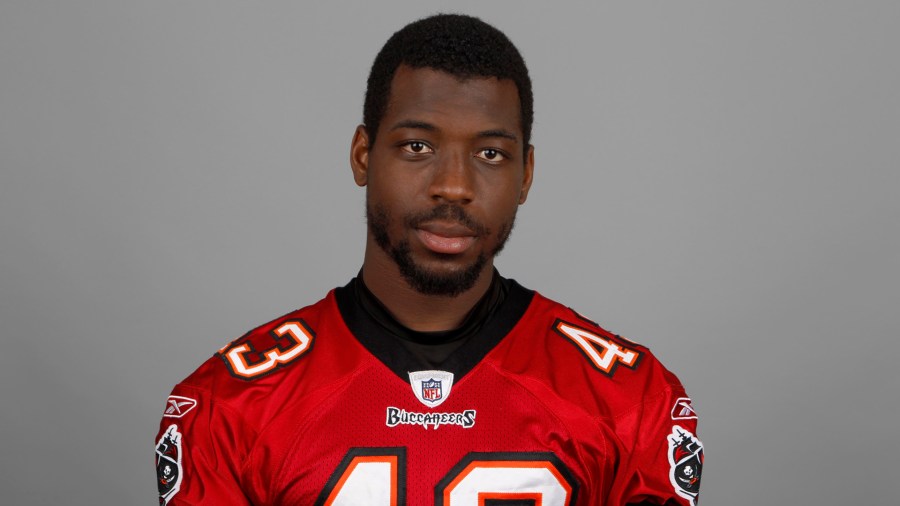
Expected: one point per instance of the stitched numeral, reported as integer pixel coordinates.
(376, 477)
(604, 353)
(291, 340)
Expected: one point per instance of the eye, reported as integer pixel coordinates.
(416, 147)
(491, 155)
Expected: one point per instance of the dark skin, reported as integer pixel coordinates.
(442, 140)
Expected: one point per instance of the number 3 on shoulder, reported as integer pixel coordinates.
(290, 341)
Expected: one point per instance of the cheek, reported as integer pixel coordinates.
(505, 203)
(391, 187)
(389, 206)
(505, 187)
(381, 195)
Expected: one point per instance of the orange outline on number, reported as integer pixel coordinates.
(532, 464)
(588, 342)
(391, 460)
(295, 329)
(537, 498)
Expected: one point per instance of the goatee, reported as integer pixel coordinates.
(423, 280)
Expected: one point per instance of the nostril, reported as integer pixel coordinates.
(453, 182)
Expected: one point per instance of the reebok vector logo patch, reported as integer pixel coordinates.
(178, 406)
(682, 410)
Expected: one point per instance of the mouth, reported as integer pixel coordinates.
(445, 237)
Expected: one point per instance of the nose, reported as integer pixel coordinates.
(453, 178)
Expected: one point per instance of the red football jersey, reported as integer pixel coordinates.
(541, 407)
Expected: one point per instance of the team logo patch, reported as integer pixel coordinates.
(431, 387)
(178, 406)
(686, 463)
(168, 464)
(682, 410)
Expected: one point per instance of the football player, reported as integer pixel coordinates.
(430, 378)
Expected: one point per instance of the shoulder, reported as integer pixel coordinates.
(263, 368)
(577, 360)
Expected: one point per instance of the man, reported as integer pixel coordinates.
(429, 378)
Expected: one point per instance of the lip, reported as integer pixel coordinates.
(445, 238)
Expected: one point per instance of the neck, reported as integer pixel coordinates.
(414, 310)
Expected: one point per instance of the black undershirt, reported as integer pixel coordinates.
(396, 346)
(432, 348)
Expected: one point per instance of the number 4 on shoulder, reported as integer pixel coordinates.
(604, 353)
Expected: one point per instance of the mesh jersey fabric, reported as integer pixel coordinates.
(544, 407)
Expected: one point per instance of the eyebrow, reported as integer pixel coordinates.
(411, 123)
(422, 125)
(505, 134)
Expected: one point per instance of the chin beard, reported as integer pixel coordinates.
(424, 281)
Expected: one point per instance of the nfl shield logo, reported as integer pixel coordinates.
(431, 390)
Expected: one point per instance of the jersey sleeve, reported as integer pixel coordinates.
(663, 458)
(200, 449)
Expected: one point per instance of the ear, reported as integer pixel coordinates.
(359, 156)
(528, 176)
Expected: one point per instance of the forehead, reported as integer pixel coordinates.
(440, 98)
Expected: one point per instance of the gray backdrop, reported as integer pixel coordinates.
(716, 180)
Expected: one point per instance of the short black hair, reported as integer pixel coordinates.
(462, 46)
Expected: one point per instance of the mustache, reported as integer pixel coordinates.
(448, 212)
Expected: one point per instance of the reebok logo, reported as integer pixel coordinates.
(178, 406)
(682, 410)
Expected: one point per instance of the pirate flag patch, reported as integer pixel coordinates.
(168, 464)
(686, 463)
